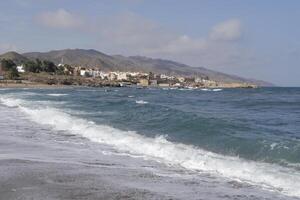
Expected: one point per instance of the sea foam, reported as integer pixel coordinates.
(57, 95)
(265, 175)
(141, 102)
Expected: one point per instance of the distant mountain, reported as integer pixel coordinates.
(17, 58)
(96, 59)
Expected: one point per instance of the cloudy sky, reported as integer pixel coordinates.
(251, 38)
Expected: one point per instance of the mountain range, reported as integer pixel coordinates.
(99, 60)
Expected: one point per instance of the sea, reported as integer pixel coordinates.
(233, 143)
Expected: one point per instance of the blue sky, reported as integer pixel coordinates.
(251, 38)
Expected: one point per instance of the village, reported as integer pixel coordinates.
(77, 75)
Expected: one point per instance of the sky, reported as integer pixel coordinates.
(251, 38)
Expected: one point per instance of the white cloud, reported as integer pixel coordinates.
(60, 19)
(132, 34)
(228, 31)
(218, 49)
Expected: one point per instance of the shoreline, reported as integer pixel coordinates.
(32, 85)
(45, 80)
(31, 168)
(28, 84)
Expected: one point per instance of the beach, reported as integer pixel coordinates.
(31, 168)
(51, 148)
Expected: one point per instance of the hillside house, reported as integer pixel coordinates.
(112, 76)
(122, 76)
(21, 69)
(163, 76)
(61, 64)
(181, 79)
(82, 72)
(104, 75)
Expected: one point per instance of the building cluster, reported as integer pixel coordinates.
(133, 78)
(144, 79)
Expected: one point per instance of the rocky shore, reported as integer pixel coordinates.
(43, 80)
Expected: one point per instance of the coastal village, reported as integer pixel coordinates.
(64, 74)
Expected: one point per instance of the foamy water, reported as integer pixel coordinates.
(141, 102)
(266, 175)
(57, 95)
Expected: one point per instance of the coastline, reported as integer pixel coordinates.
(31, 168)
(30, 85)
(48, 80)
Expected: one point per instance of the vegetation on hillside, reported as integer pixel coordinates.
(38, 66)
(10, 68)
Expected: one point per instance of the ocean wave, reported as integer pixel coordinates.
(212, 90)
(217, 90)
(57, 95)
(141, 102)
(10, 102)
(185, 89)
(89, 113)
(268, 176)
(273, 145)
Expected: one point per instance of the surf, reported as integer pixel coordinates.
(268, 176)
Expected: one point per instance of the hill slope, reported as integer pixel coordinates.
(17, 58)
(93, 58)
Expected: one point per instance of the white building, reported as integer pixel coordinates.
(122, 76)
(103, 75)
(96, 73)
(133, 74)
(163, 76)
(181, 79)
(61, 64)
(83, 72)
(112, 76)
(20, 69)
(177, 85)
(198, 80)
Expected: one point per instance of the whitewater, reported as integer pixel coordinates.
(271, 177)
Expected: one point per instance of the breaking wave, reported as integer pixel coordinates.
(141, 102)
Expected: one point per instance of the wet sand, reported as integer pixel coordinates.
(31, 168)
